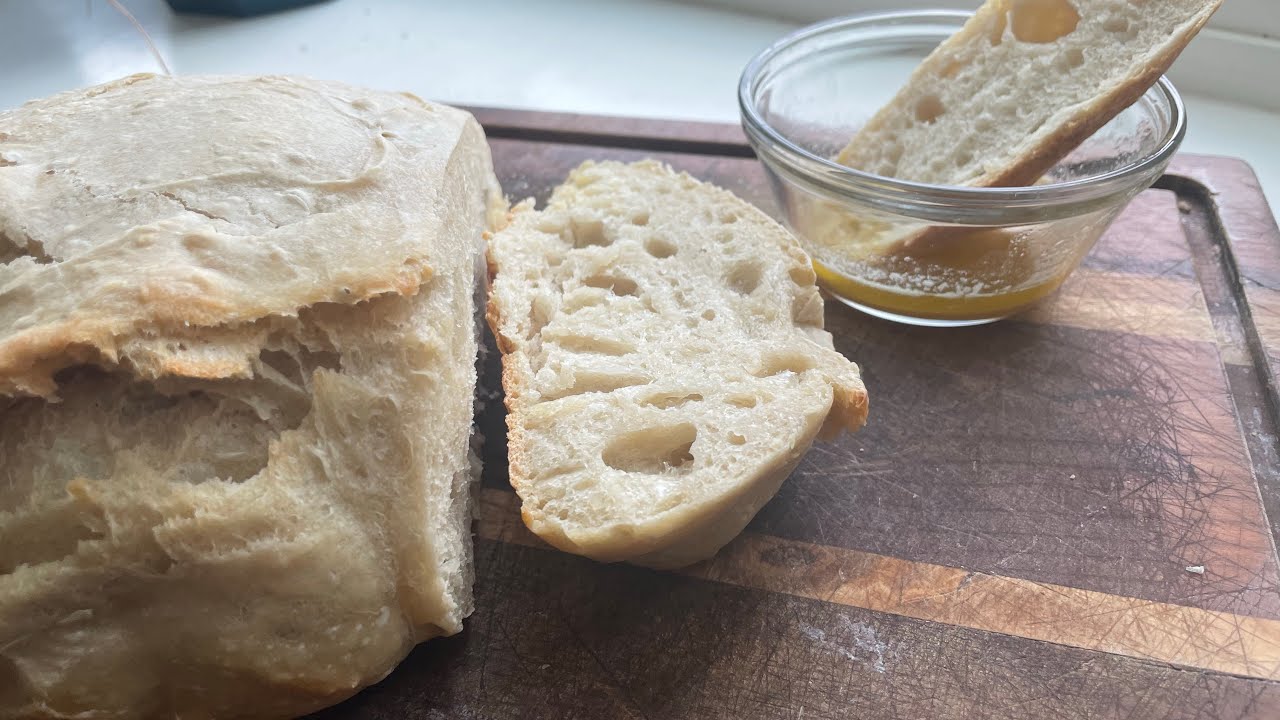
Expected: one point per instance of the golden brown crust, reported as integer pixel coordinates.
(1030, 168)
(511, 385)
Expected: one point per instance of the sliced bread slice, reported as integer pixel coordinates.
(664, 363)
(1022, 85)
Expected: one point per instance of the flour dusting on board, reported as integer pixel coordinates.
(862, 643)
(813, 633)
(865, 639)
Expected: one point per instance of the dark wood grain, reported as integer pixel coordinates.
(1165, 632)
(1098, 460)
(1008, 538)
(556, 636)
(1163, 251)
(1226, 216)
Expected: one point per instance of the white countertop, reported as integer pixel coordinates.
(617, 57)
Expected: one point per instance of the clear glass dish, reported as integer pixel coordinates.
(989, 252)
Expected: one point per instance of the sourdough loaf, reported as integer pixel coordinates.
(237, 362)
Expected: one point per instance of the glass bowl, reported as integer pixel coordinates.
(988, 252)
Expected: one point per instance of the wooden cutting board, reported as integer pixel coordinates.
(1068, 514)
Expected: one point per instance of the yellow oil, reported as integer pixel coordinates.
(951, 274)
(941, 273)
(959, 307)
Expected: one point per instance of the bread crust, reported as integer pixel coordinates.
(95, 286)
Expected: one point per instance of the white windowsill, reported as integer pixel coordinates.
(619, 57)
(1232, 59)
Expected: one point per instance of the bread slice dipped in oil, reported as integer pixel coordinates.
(1016, 90)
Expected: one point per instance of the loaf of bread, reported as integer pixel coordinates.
(237, 346)
(664, 363)
(1021, 86)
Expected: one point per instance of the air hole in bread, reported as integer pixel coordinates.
(111, 426)
(780, 363)
(537, 356)
(595, 381)
(728, 217)
(280, 361)
(666, 401)
(653, 451)
(802, 275)
(952, 69)
(586, 232)
(559, 470)
(744, 278)
(11, 250)
(660, 247)
(620, 286)
(1043, 21)
(36, 537)
(540, 312)
(641, 218)
(1117, 24)
(709, 314)
(670, 501)
(722, 235)
(588, 344)
(893, 154)
(736, 439)
(929, 108)
(742, 400)
(1072, 58)
(582, 298)
(550, 225)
